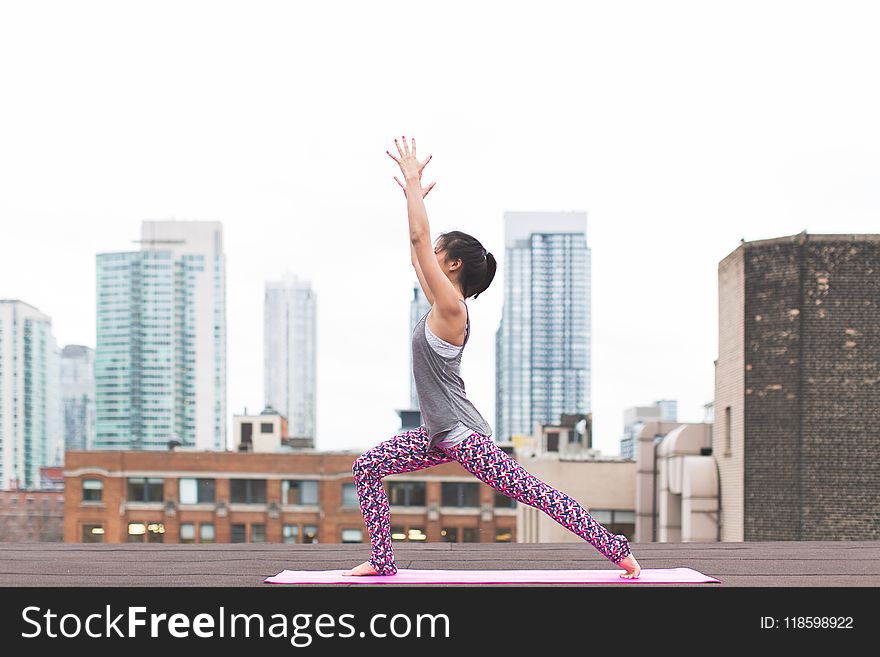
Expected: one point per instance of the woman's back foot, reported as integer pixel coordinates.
(631, 566)
(364, 569)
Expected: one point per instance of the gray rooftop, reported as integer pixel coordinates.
(772, 563)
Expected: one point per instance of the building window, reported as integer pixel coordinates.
(266, 427)
(406, 493)
(136, 531)
(727, 439)
(196, 491)
(552, 441)
(449, 534)
(310, 534)
(504, 502)
(247, 491)
(141, 489)
(349, 495)
(187, 532)
(140, 532)
(258, 533)
(460, 494)
(206, 532)
(247, 430)
(470, 535)
(352, 535)
(299, 492)
(290, 533)
(503, 536)
(239, 533)
(601, 516)
(92, 490)
(156, 532)
(415, 534)
(93, 534)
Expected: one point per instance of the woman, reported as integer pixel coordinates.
(456, 268)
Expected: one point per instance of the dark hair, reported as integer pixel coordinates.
(478, 265)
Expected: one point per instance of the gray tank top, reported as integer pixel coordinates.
(441, 391)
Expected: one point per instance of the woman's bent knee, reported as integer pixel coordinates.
(362, 466)
(359, 467)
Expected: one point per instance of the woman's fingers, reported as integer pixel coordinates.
(407, 158)
(402, 186)
(430, 187)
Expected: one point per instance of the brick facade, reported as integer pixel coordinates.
(330, 516)
(31, 516)
(804, 423)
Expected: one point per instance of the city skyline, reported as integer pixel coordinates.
(677, 143)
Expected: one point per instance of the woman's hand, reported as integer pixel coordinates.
(410, 166)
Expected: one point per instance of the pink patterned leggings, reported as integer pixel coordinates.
(480, 456)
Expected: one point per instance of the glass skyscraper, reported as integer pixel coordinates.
(543, 358)
(78, 396)
(290, 353)
(417, 308)
(160, 365)
(30, 431)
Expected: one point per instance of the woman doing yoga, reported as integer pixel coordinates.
(456, 268)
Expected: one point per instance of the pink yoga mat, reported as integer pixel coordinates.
(404, 576)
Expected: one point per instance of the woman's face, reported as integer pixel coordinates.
(440, 252)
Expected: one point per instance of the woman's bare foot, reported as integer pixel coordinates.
(632, 567)
(364, 569)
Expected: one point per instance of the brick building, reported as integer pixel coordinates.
(31, 516)
(294, 496)
(797, 392)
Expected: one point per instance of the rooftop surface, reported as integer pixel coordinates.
(771, 563)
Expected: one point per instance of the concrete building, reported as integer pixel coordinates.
(543, 343)
(160, 363)
(290, 353)
(78, 396)
(297, 497)
(677, 488)
(635, 417)
(571, 437)
(797, 381)
(30, 413)
(266, 432)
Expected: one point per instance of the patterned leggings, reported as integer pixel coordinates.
(480, 456)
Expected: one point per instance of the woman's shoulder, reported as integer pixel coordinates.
(448, 329)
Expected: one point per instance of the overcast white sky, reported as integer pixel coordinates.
(678, 127)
